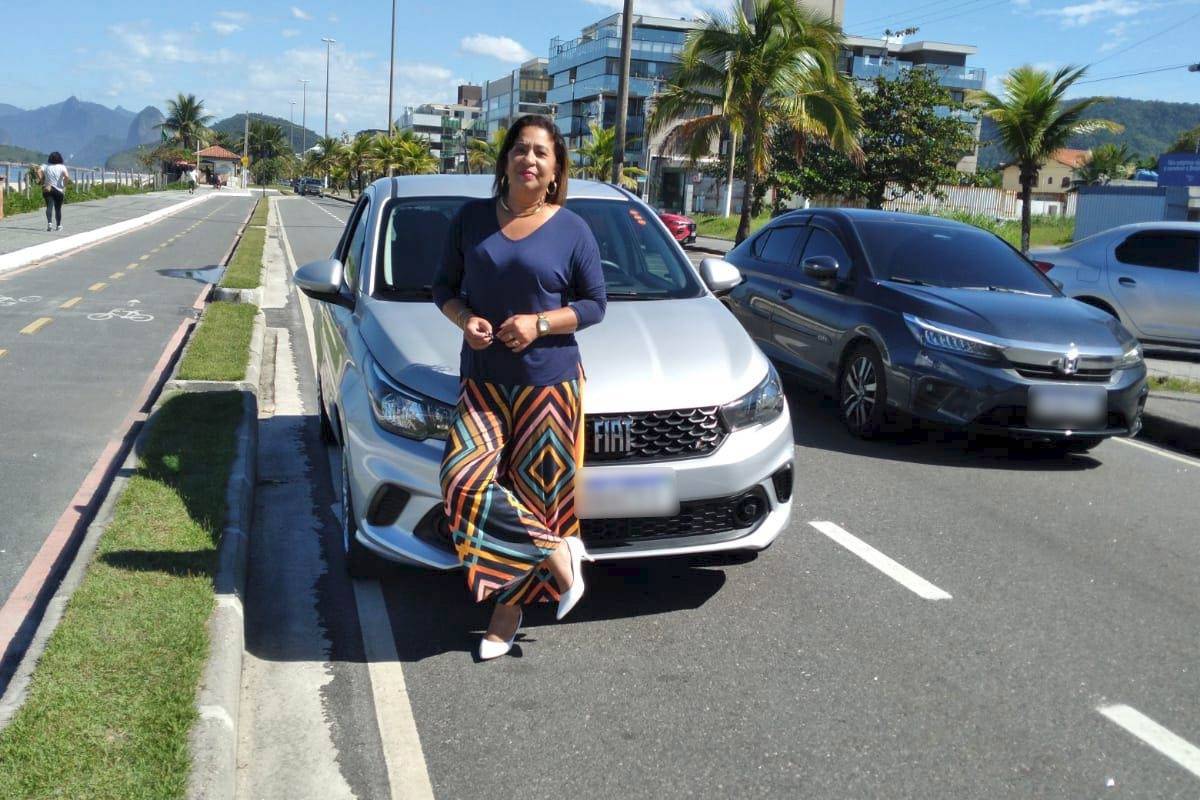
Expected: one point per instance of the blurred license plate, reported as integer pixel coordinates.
(1064, 406)
(605, 492)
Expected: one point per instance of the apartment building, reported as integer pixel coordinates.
(522, 91)
(446, 126)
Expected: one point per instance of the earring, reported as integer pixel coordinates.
(504, 184)
(552, 189)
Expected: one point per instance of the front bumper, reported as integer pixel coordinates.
(992, 398)
(750, 462)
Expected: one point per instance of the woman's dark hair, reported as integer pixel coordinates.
(55, 158)
(562, 160)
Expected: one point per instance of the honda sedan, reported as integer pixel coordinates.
(936, 319)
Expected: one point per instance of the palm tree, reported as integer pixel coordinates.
(356, 158)
(227, 140)
(1032, 122)
(1105, 163)
(267, 140)
(751, 78)
(326, 153)
(186, 121)
(403, 153)
(482, 153)
(596, 158)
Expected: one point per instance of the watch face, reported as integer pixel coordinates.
(543, 326)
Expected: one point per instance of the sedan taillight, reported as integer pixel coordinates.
(1044, 266)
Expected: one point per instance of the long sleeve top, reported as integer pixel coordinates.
(556, 266)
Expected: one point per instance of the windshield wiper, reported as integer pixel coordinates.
(909, 281)
(1003, 289)
(630, 296)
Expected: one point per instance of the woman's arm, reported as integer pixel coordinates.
(446, 286)
(587, 282)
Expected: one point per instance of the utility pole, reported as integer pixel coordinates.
(303, 116)
(292, 126)
(246, 151)
(618, 164)
(328, 44)
(391, 70)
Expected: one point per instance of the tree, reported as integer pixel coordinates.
(356, 158)
(267, 140)
(596, 158)
(909, 143)
(267, 170)
(482, 153)
(1105, 163)
(1032, 122)
(750, 78)
(227, 140)
(403, 153)
(326, 153)
(1188, 142)
(186, 121)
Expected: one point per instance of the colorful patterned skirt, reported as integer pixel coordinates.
(508, 480)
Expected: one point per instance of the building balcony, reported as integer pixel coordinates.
(871, 67)
(600, 84)
(563, 56)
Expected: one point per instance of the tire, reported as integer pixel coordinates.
(862, 392)
(361, 563)
(327, 434)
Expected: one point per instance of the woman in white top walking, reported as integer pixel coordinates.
(54, 189)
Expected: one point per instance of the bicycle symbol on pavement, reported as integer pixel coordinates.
(128, 314)
(5, 300)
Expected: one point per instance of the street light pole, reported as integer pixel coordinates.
(618, 164)
(303, 116)
(328, 44)
(292, 126)
(391, 70)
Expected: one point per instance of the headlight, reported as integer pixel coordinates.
(759, 406)
(1132, 357)
(404, 411)
(960, 342)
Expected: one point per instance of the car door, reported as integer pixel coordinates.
(1154, 275)
(766, 263)
(813, 316)
(334, 321)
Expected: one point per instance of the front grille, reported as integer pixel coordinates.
(695, 518)
(1046, 373)
(656, 435)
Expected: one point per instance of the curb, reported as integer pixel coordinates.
(249, 383)
(1168, 429)
(38, 252)
(251, 296)
(703, 249)
(340, 199)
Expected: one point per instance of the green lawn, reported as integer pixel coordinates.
(244, 270)
(259, 217)
(1174, 384)
(220, 346)
(113, 697)
(726, 227)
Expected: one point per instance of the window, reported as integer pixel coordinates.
(824, 243)
(1066, 182)
(780, 244)
(1049, 180)
(1162, 249)
(352, 258)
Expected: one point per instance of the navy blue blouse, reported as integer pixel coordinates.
(557, 265)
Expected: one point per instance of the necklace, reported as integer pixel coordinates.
(529, 213)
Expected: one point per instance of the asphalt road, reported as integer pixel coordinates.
(1069, 586)
(68, 378)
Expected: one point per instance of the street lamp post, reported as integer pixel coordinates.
(391, 69)
(303, 116)
(292, 126)
(328, 44)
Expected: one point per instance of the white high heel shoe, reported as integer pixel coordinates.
(579, 554)
(489, 649)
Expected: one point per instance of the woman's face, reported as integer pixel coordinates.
(531, 162)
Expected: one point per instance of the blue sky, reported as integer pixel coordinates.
(250, 55)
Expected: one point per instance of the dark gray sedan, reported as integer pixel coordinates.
(936, 319)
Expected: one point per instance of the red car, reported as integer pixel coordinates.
(681, 227)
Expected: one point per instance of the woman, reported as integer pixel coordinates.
(520, 275)
(54, 189)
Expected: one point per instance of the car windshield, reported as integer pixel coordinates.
(639, 261)
(953, 256)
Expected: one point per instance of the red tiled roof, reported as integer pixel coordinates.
(218, 152)
(1071, 158)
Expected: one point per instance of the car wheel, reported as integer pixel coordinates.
(327, 434)
(862, 392)
(360, 562)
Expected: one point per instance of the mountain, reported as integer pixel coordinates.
(85, 133)
(21, 155)
(1151, 126)
(236, 126)
(6, 109)
(144, 127)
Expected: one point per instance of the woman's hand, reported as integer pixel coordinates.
(478, 332)
(518, 331)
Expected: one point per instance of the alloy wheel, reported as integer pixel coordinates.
(859, 396)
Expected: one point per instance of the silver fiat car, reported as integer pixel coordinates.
(688, 438)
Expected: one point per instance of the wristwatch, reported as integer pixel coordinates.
(543, 324)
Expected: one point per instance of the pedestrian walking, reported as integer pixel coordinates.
(520, 274)
(192, 179)
(54, 189)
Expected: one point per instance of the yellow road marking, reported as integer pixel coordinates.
(116, 276)
(95, 287)
(71, 303)
(2, 353)
(143, 258)
(132, 266)
(36, 325)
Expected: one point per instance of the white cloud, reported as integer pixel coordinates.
(299, 13)
(236, 16)
(501, 47)
(165, 47)
(673, 9)
(226, 28)
(288, 33)
(340, 118)
(334, 18)
(1118, 34)
(1075, 16)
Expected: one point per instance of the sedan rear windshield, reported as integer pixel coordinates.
(640, 262)
(952, 256)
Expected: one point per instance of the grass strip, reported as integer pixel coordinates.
(113, 697)
(220, 346)
(244, 270)
(259, 217)
(719, 227)
(1171, 384)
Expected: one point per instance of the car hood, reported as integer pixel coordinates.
(645, 355)
(1052, 320)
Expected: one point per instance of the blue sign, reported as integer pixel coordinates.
(1179, 169)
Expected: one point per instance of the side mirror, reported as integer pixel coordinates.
(719, 275)
(821, 268)
(322, 280)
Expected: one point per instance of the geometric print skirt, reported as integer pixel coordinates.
(508, 481)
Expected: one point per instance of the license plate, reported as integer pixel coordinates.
(1067, 406)
(605, 492)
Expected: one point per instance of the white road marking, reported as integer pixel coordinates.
(897, 572)
(1179, 750)
(1158, 451)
